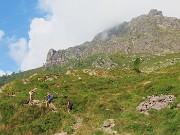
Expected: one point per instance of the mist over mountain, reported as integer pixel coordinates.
(151, 34)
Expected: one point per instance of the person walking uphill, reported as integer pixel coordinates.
(69, 106)
(31, 95)
(49, 99)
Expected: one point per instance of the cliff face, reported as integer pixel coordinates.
(152, 33)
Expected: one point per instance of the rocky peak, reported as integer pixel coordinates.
(152, 33)
(155, 12)
(50, 54)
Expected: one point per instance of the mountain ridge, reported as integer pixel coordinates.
(152, 34)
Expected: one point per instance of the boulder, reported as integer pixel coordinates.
(107, 125)
(49, 79)
(156, 102)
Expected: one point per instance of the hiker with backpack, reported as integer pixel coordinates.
(49, 99)
(69, 106)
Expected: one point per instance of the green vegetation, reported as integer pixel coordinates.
(137, 64)
(113, 93)
(15, 76)
(148, 63)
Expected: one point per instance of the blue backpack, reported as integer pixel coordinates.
(50, 97)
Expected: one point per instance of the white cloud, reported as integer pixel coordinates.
(18, 50)
(72, 22)
(1, 34)
(4, 72)
(9, 72)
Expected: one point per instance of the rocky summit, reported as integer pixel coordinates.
(152, 33)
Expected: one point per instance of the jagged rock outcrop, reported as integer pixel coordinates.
(152, 33)
(54, 57)
(154, 12)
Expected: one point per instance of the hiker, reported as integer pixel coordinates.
(49, 99)
(31, 94)
(69, 106)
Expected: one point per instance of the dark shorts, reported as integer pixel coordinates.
(70, 107)
(49, 101)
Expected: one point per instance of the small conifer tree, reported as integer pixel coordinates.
(137, 63)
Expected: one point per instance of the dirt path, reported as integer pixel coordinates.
(77, 125)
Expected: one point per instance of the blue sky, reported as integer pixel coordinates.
(29, 28)
(15, 19)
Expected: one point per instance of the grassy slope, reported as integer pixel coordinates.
(21, 75)
(148, 63)
(114, 94)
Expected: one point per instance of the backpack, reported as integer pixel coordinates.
(51, 97)
(70, 104)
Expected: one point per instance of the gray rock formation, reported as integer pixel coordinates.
(156, 102)
(154, 12)
(54, 57)
(152, 34)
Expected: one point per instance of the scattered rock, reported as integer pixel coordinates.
(178, 105)
(36, 102)
(148, 82)
(49, 79)
(63, 133)
(25, 81)
(1, 91)
(79, 78)
(68, 72)
(33, 75)
(72, 72)
(107, 125)
(55, 77)
(39, 79)
(156, 102)
(90, 72)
